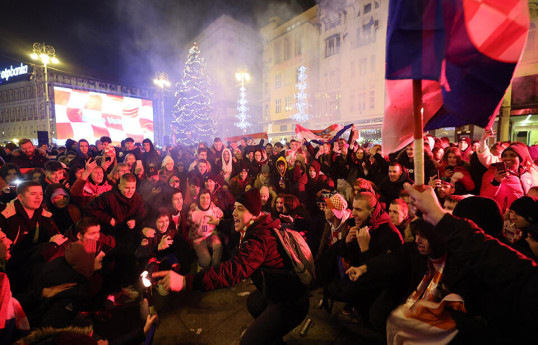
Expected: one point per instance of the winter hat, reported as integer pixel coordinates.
(526, 207)
(338, 204)
(427, 231)
(522, 151)
(58, 191)
(252, 201)
(81, 256)
(484, 212)
(166, 160)
(265, 168)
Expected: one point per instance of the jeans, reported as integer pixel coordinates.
(202, 251)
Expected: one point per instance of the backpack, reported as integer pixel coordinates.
(299, 253)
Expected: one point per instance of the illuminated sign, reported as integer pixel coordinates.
(13, 72)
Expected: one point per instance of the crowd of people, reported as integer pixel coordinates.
(451, 262)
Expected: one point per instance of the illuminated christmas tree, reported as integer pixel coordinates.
(193, 112)
(301, 103)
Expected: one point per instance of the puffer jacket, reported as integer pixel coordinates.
(510, 188)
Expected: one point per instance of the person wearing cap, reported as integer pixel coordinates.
(57, 201)
(280, 302)
(153, 189)
(336, 226)
(317, 183)
(506, 184)
(523, 213)
(239, 183)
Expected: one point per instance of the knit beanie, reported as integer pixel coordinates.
(81, 256)
(521, 150)
(526, 207)
(166, 160)
(265, 168)
(252, 201)
(484, 212)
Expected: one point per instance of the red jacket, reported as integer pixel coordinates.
(259, 258)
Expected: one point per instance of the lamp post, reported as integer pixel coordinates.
(46, 54)
(242, 108)
(161, 80)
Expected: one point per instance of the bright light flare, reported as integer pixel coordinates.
(145, 280)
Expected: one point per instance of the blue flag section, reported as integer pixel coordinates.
(469, 49)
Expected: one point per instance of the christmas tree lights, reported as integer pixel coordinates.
(193, 120)
(242, 109)
(301, 103)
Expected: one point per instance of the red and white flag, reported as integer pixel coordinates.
(252, 139)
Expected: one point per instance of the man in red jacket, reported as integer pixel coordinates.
(281, 301)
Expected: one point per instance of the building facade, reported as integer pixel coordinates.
(23, 104)
(287, 46)
(229, 47)
(342, 44)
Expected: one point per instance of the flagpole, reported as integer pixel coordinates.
(418, 129)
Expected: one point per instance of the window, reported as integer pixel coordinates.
(332, 45)
(278, 81)
(298, 45)
(351, 103)
(278, 53)
(288, 103)
(362, 66)
(367, 34)
(376, 4)
(367, 8)
(372, 63)
(362, 102)
(372, 99)
(283, 128)
(334, 23)
(278, 106)
(266, 112)
(265, 88)
(286, 49)
(288, 78)
(352, 68)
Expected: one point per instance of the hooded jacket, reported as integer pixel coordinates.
(261, 258)
(151, 156)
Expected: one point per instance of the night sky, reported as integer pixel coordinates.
(124, 41)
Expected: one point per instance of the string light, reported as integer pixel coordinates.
(192, 121)
(242, 109)
(301, 97)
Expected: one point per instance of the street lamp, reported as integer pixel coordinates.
(242, 108)
(46, 54)
(161, 80)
